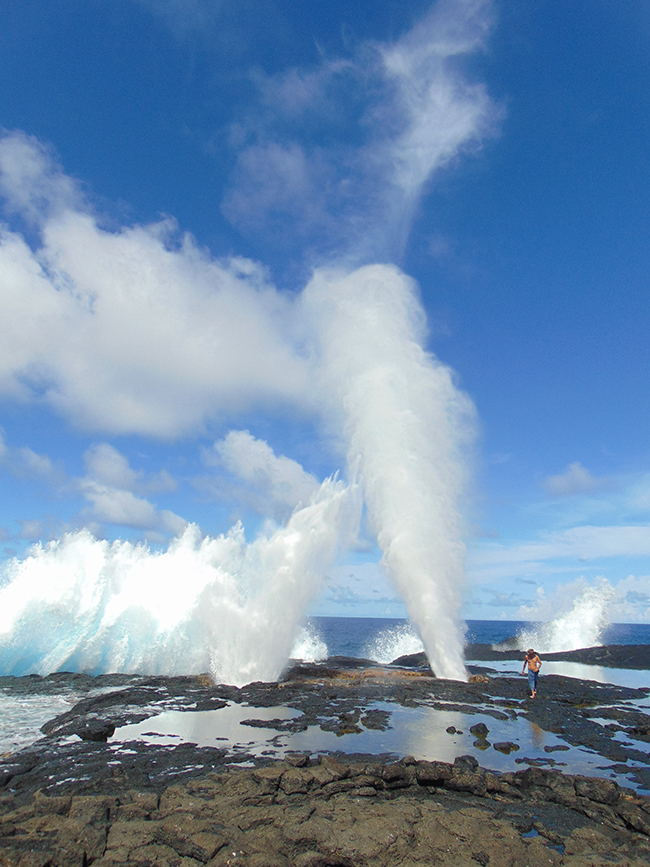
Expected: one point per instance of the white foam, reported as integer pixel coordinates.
(21, 718)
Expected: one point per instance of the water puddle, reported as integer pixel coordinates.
(624, 737)
(208, 728)
(421, 732)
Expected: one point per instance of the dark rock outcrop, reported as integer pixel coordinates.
(81, 801)
(633, 656)
(333, 812)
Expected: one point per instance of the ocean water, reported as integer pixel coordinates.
(384, 639)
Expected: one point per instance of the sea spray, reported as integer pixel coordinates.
(389, 644)
(406, 426)
(309, 645)
(581, 625)
(205, 604)
(252, 638)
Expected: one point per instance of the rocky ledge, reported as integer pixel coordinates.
(330, 812)
(76, 797)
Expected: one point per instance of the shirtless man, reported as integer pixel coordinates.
(534, 664)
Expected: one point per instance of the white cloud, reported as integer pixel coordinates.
(297, 91)
(29, 463)
(23, 462)
(185, 16)
(284, 179)
(495, 561)
(109, 488)
(574, 480)
(139, 331)
(554, 557)
(638, 493)
(105, 465)
(31, 181)
(273, 485)
(441, 112)
(114, 506)
(631, 602)
(129, 332)
(32, 530)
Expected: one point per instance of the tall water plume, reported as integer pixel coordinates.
(205, 604)
(407, 426)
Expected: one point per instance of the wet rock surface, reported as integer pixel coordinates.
(339, 696)
(74, 798)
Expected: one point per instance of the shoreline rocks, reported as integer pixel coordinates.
(628, 656)
(347, 701)
(336, 812)
(76, 798)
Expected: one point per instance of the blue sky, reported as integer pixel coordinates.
(166, 144)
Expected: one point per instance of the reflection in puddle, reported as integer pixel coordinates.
(420, 732)
(208, 728)
(539, 736)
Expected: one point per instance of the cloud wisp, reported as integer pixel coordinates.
(273, 485)
(575, 480)
(495, 560)
(414, 113)
(113, 492)
(24, 462)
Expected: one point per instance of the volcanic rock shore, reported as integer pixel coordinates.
(78, 796)
(312, 814)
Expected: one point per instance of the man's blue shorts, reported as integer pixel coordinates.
(532, 680)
